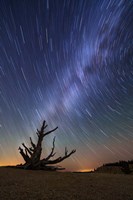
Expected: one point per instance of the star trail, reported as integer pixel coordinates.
(69, 62)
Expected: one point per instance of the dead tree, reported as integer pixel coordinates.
(32, 155)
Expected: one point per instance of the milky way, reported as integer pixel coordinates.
(69, 62)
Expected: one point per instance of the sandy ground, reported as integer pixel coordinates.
(39, 185)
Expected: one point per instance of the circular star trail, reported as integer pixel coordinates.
(70, 63)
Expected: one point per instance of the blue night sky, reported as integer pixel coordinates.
(69, 62)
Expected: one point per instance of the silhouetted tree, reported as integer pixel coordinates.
(32, 155)
(125, 167)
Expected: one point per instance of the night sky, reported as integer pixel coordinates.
(69, 62)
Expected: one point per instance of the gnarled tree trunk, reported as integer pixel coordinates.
(32, 155)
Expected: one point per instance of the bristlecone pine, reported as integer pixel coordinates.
(32, 155)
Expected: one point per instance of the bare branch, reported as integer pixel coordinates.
(25, 157)
(41, 131)
(31, 149)
(52, 151)
(59, 159)
(28, 150)
(38, 132)
(66, 151)
(33, 145)
(45, 126)
(49, 131)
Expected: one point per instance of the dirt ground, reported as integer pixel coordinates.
(17, 184)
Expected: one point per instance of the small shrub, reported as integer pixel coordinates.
(125, 167)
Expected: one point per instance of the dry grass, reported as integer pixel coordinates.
(16, 184)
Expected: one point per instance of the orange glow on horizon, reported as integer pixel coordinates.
(10, 162)
(85, 170)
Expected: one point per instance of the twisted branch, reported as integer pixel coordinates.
(52, 151)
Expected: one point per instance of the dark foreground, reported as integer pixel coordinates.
(39, 185)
